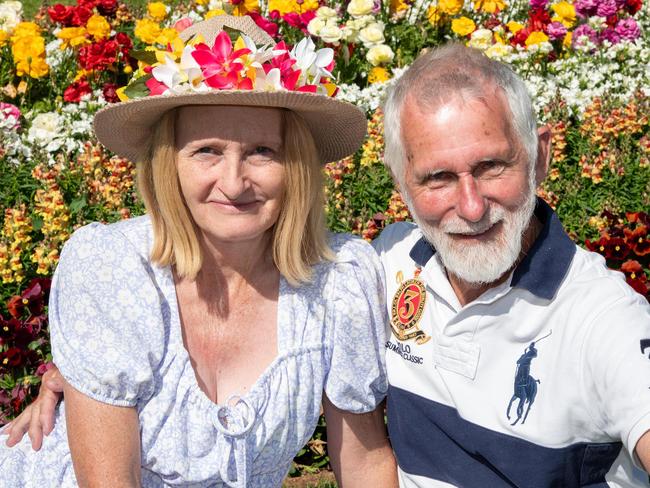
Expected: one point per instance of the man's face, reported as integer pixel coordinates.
(468, 184)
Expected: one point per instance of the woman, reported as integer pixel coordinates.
(196, 342)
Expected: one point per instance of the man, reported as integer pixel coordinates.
(515, 358)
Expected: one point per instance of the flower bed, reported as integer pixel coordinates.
(585, 62)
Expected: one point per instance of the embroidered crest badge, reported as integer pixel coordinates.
(407, 307)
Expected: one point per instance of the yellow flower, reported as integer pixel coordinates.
(450, 7)
(245, 7)
(167, 35)
(201, 2)
(514, 27)
(288, 6)
(157, 11)
(489, 6)
(4, 36)
(73, 37)
(463, 26)
(147, 30)
(28, 47)
(398, 6)
(536, 37)
(433, 15)
(98, 27)
(25, 29)
(566, 42)
(213, 13)
(82, 73)
(565, 13)
(378, 75)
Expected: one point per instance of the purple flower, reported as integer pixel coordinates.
(628, 29)
(620, 3)
(538, 4)
(583, 31)
(606, 8)
(10, 111)
(610, 35)
(585, 8)
(556, 30)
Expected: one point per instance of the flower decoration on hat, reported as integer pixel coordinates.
(233, 62)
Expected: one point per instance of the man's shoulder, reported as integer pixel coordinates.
(398, 237)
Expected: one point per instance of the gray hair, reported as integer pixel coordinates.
(455, 70)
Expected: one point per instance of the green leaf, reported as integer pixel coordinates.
(148, 57)
(77, 204)
(138, 88)
(37, 222)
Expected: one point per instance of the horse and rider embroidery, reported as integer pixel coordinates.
(525, 387)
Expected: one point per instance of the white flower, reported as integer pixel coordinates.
(326, 13)
(45, 128)
(480, 39)
(315, 26)
(269, 81)
(312, 63)
(331, 33)
(372, 35)
(380, 54)
(10, 13)
(498, 50)
(357, 8)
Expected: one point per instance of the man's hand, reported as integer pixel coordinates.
(38, 418)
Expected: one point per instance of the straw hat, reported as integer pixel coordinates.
(338, 127)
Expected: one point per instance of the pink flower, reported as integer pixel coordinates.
(220, 65)
(606, 8)
(270, 27)
(12, 113)
(556, 30)
(183, 24)
(585, 8)
(628, 29)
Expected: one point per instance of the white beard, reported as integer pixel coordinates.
(483, 262)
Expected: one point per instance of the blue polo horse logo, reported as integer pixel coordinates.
(525, 388)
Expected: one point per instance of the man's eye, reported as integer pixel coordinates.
(441, 177)
(491, 168)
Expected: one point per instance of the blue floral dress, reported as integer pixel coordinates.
(116, 337)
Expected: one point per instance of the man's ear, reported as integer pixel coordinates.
(543, 153)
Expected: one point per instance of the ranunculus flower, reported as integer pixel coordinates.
(76, 90)
(489, 6)
(450, 7)
(380, 54)
(98, 27)
(45, 128)
(358, 8)
(372, 34)
(80, 15)
(73, 37)
(536, 37)
(628, 29)
(463, 26)
(606, 8)
(331, 33)
(157, 11)
(565, 13)
(98, 55)
(481, 39)
(107, 7)
(633, 6)
(147, 30)
(61, 13)
(556, 30)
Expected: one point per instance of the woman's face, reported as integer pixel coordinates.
(230, 169)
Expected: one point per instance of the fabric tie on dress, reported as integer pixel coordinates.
(234, 427)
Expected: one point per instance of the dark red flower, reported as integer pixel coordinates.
(299, 21)
(519, 39)
(638, 240)
(36, 294)
(61, 14)
(99, 55)
(110, 93)
(538, 20)
(80, 16)
(12, 357)
(633, 6)
(597, 246)
(616, 248)
(76, 90)
(107, 7)
(89, 4)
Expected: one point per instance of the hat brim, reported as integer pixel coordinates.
(338, 127)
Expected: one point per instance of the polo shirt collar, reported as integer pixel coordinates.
(542, 270)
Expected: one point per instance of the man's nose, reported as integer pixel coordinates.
(471, 204)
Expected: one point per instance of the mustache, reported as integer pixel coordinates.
(457, 225)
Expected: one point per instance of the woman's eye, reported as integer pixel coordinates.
(263, 150)
(205, 150)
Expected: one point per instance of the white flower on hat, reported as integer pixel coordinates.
(270, 81)
(357, 8)
(312, 63)
(331, 33)
(380, 54)
(176, 75)
(372, 35)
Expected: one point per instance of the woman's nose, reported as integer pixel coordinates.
(232, 180)
(471, 204)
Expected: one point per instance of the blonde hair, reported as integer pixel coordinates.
(299, 237)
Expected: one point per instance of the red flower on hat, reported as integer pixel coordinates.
(271, 28)
(221, 65)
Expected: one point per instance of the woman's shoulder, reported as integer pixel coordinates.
(132, 235)
(349, 248)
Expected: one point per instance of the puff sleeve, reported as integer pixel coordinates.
(356, 380)
(106, 317)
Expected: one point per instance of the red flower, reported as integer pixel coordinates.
(80, 16)
(538, 20)
(89, 4)
(76, 90)
(183, 24)
(270, 27)
(299, 21)
(616, 248)
(107, 7)
(99, 55)
(61, 13)
(519, 39)
(12, 357)
(633, 6)
(110, 93)
(221, 64)
(638, 240)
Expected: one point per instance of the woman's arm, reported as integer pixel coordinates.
(104, 442)
(358, 446)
